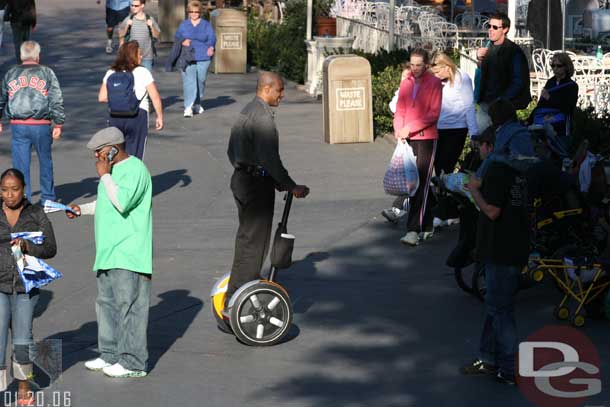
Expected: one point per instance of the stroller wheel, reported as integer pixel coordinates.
(478, 283)
(463, 277)
(536, 275)
(577, 320)
(261, 315)
(562, 313)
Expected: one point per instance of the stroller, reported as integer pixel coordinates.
(557, 212)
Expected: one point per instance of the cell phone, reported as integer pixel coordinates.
(112, 153)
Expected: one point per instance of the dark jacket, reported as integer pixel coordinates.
(505, 74)
(31, 219)
(254, 143)
(21, 12)
(179, 57)
(30, 94)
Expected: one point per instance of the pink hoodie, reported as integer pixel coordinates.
(421, 113)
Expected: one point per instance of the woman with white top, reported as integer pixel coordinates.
(134, 128)
(457, 118)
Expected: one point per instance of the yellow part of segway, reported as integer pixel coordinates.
(569, 212)
(218, 298)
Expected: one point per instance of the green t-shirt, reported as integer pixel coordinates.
(124, 240)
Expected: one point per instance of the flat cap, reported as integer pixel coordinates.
(109, 136)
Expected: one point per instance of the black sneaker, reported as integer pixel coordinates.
(505, 379)
(478, 367)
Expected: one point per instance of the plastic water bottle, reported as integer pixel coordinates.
(599, 54)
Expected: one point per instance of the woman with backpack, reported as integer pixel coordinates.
(125, 88)
(198, 34)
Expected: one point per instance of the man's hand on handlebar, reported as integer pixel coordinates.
(300, 191)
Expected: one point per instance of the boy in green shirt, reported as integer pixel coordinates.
(123, 255)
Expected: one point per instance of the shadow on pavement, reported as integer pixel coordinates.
(218, 101)
(168, 321)
(87, 187)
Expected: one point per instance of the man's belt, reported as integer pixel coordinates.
(253, 170)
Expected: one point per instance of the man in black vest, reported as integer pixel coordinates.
(504, 68)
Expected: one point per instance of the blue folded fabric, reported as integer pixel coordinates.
(35, 273)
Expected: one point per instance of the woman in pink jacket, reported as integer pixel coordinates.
(417, 111)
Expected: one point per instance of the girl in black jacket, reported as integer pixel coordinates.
(17, 306)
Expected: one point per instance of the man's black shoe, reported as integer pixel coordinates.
(478, 367)
(504, 379)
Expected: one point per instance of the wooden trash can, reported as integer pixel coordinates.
(230, 27)
(347, 100)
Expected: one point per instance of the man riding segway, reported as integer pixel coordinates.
(253, 152)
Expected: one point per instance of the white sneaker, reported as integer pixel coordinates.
(109, 47)
(411, 238)
(97, 364)
(427, 235)
(393, 214)
(119, 371)
(455, 221)
(439, 223)
(197, 109)
(188, 112)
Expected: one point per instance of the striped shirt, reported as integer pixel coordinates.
(140, 33)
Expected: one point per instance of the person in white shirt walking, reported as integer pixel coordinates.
(457, 119)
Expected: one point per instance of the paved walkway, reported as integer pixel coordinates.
(376, 324)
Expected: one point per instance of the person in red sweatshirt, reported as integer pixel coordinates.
(417, 111)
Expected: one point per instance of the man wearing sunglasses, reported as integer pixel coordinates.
(141, 27)
(504, 69)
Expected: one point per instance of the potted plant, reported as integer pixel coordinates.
(326, 24)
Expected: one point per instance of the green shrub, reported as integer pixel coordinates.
(587, 125)
(382, 59)
(280, 47)
(384, 86)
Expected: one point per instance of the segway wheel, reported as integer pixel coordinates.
(261, 315)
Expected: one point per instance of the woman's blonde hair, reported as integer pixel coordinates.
(441, 58)
(195, 4)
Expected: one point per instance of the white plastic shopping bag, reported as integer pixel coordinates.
(401, 177)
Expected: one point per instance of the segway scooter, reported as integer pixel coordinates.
(260, 312)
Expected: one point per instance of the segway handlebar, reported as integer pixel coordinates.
(288, 198)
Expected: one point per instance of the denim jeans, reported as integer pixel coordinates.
(16, 312)
(123, 299)
(147, 63)
(193, 83)
(499, 338)
(24, 136)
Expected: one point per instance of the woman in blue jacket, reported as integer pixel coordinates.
(197, 33)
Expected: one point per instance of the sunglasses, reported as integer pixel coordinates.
(557, 65)
(496, 27)
(135, 5)
(194, 12)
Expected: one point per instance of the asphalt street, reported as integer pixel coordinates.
(376, 324)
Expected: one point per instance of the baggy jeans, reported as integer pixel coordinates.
(123, 300)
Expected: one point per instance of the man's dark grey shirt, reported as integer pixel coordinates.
(254, 142)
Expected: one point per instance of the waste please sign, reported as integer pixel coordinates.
(230, 41)
(350, 99)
